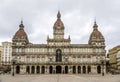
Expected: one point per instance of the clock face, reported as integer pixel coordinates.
(58, 27)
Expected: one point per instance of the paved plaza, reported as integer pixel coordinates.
(60, 78)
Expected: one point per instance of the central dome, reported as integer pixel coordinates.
(58, 24)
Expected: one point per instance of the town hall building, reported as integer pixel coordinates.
(58, 55)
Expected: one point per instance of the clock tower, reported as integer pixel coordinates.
(58, 28)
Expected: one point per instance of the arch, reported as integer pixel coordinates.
(43, 69)
(66, 69)
(38, 69)
(33, 69)
(79, 69)
(58, 55)
(58, 69)
(84, 69)
(50, 69)
(89, 69)
(28, 69)
(74, 69)
(17, 69)
(98, 69)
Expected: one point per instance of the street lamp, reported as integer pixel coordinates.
(13, 62)
(102, 63)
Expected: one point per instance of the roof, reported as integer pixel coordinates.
(58, 22)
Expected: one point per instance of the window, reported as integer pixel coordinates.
(78, 56)
(50, 59)
(66, 59)
(58, 55)
(83, 56)
(89, 56)
(74, 57)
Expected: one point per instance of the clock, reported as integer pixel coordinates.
(58, 27)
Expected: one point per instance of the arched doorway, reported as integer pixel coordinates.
(28, 69)
(38, 69)
(89, 69)
(58, 55)
(17, 69)
(98, 69)
(43, 69)
(58, 69)
(33, 69)
(50, 69)
(79, 69)
(84, 69)
(66, 69)
(74, 69)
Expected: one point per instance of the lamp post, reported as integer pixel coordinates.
(13, 62)
(102, 63)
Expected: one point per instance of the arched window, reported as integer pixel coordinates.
(17, 69)
(58, 55)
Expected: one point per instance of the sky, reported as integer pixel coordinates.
(78, 17)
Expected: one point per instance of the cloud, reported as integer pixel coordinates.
(77, 15)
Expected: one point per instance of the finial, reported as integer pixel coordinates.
(95, 24)
(21, 25)
(58, 15)
(21, 21)
(95, 21)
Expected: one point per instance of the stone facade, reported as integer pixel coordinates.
(58, 55)
(114, 59)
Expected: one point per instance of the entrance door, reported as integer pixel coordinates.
(43, 69)
(50, 69)
(17, 69)
(74, 69)
(79, 69)
(32, 69)
(38, 69)
(89, 69)
(66, 69)
(98, 69)
(58, 69)
(84, 69)
(28, 69)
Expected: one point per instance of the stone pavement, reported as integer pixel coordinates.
(60, 78)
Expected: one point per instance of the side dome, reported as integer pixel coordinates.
(96, 33)
(21, 34)
(96, 36)
(58, 24)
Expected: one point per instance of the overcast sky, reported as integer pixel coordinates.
(77, 15)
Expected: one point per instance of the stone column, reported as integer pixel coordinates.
(63, 70)
(70, 69)
(30, 69)
(93, 69)
(35, 70)
(104, 69)
(76, 69)
(47, 71)
(40, 69)
(86, 69)
(24, 69)
(81, 69)
(54, 69)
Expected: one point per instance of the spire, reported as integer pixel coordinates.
(58, 15)
(95, 25)
(21, 25)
